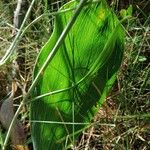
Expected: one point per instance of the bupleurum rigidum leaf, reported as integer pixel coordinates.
(87, 61)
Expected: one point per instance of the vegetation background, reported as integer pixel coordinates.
(124, 120)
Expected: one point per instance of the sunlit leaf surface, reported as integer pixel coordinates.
(90, 55)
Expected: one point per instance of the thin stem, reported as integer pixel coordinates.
(133, 116)
(45, 14)
(73, 125)
(57, 45)
(17, 38)
(49, 58)
(4, 59)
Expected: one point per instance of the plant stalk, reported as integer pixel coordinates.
(48, 60)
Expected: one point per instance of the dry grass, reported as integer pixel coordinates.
(123, 121)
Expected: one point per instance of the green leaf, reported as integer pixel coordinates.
(123, 13)
(86, 63)
(130, 10)
(126, 12)
(142, 58)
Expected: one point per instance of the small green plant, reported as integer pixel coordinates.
(75, 73)
(126, 12)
